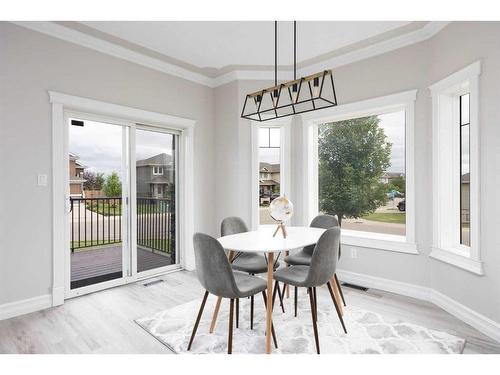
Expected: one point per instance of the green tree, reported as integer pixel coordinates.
(398, 184)
(93, 180)
(353, 155)
(113, 186)
(99, 181)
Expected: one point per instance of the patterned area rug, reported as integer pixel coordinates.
(368, 331)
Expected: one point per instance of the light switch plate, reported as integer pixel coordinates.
(42, 180)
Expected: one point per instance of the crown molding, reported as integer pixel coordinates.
(85, 40)
(426, 32)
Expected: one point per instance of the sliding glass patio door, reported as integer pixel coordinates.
(122, 192)
(98, 196)
(155, 198)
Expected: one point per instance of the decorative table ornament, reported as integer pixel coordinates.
(281, 210)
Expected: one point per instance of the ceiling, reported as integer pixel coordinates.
(219, 45)
(214, 53)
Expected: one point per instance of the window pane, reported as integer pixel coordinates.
(263, 137)
(465, 186)
(464, 118)
(274, 137)
(362, 172)
(156, 222)
(269, 173)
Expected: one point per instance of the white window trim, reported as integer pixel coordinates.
(160, 171)
(399, 101)
(445, 95)
(285, 162)
(61, 105)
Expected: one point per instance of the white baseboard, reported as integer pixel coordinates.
(398, 287)
(26, 306)
(480, 322)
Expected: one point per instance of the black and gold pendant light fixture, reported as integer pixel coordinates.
(305, 94)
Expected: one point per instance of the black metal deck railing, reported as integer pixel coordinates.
(98, 221)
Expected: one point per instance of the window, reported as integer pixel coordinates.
(359, 166)
(269, 170)
(361, 172)
(464, 170)
(157, 171)
(456, 169)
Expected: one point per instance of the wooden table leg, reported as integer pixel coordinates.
(269, 313)
(336, 293)
(219, 300)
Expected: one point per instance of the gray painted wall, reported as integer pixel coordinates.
(33, 63)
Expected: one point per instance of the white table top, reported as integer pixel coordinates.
(262, 240)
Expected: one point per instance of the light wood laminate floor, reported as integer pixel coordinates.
(103, 322)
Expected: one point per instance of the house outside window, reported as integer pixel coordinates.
(269, 170)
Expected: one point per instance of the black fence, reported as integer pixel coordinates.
(98, 221)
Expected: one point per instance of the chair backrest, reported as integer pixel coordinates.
(324, 258)
(212, 267)
(321, 221)
(232, 225)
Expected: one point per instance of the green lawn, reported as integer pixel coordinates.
(386, 217)
(105, 209)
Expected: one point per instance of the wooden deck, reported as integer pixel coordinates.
(99, 262)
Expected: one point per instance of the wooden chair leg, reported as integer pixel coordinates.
(281, 295)
(339, 288)
(230, 331)
(251, 312)
(284, 292)
(315, 303)
(336, 294)
(314, 319)
(296, 292)
(200, 312)
(237, 312)
(272, 325)
(215, 314)
(336, 306)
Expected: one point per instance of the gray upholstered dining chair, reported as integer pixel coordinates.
(303, 256)
(216, 276)
(251, 263)
(319, 272)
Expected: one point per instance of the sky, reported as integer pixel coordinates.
(392, 123)
(99, 145)
(269, 138)
(394, 128)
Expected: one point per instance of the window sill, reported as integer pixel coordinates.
(458, 259)
(387, 242)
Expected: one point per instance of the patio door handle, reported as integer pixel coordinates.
(68, 204)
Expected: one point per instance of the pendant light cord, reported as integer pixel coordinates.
(294, 50)
(276, 53)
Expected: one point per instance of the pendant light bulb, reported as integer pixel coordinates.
(257, 99)
(275, 96)
(295, 93)
(315, 87)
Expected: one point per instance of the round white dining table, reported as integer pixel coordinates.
(262, 241)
